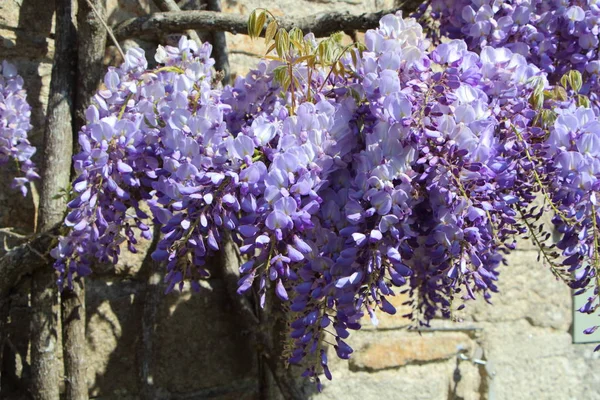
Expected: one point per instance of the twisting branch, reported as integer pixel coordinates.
(230, 262)
(262, 331)
(11, 232)
(4, 310)
(108, 30)
(149, 299)
(73, 328)
(25, 259)
(58, 147)
(218, 38)
(170, 5)
(322, 24)
(91, 45)
(219, 42)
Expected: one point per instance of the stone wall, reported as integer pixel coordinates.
(143, 344)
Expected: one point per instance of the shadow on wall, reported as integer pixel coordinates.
(26, 27)
(26, 44)
(143, 343)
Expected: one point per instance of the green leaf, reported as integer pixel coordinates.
(260, 23)
(337, 37)
(303, 58)
(299, 46)
(286, 82)
(560, 93)
(583, 101)
(321, 51)
(575, 80)
(297, 35)
(548, 118)
(537, 99)
(564, 81)
(171, 68)
(271, 31)
(282, 42)
(252, 24)
(279, 73)
(539, 88)
(271, 48)
(354, 58)
(148, 123)
(329, 53)
(572, 79)
(337, 68)
(334, 69)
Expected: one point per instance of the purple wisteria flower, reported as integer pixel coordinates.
(412, 169)
(555, 35)
(15, 114)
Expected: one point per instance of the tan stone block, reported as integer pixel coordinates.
(431, 381)
(530, 362)
(243, 44)
(113, 333)
(406, 348)
(528, 289)
(199, 342)
(466, 381)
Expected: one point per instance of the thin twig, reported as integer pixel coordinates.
(9, 232)
(108, 30)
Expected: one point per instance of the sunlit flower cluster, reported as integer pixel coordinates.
(15, 114)
(555, 35)
(408, 170)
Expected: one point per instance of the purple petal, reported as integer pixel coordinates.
(280, 290)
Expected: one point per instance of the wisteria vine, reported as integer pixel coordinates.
(345, 174)
(556, 35)
(15, 114)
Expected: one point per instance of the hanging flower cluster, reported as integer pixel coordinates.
(556, 35)
(15, 114)
(344, 174)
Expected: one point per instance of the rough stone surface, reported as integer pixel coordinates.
(27, 46)
(396, 349)
(113, 326)
(528, 290)
(532, 362)
(415, 382)
(197, 332)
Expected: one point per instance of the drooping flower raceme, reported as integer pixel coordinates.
(573, 149)
(15, 114)
(557, 36)
(133, 149)
(408, 169)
